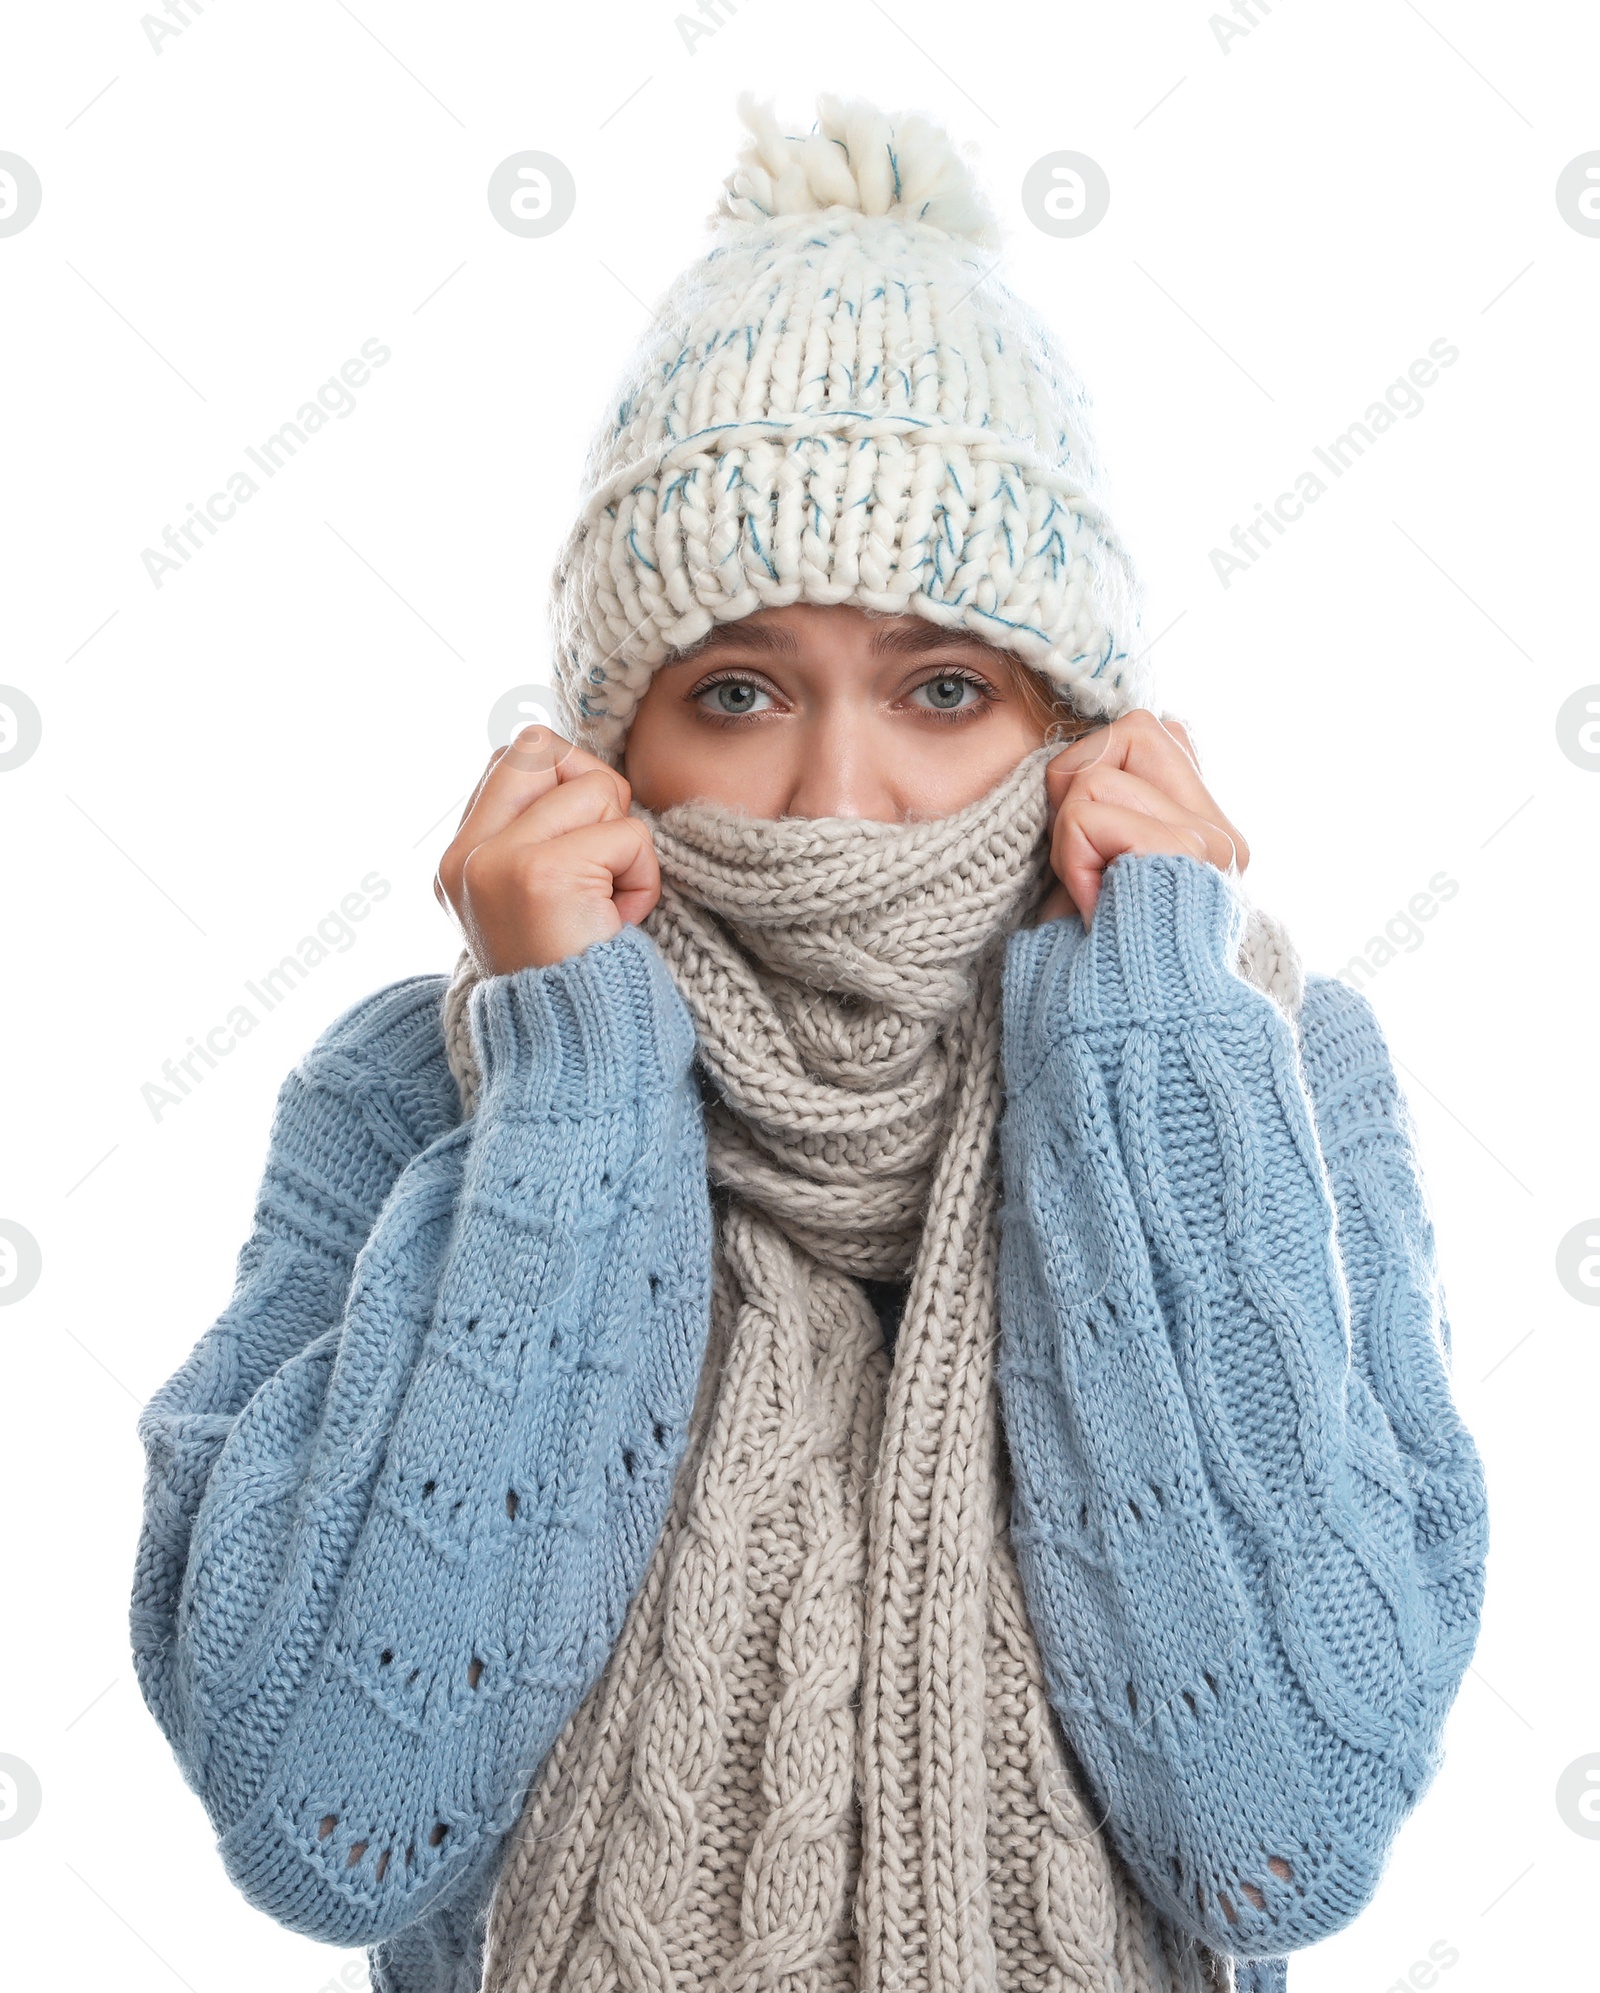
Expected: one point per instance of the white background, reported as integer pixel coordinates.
(1292, 222)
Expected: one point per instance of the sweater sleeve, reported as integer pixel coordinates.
(401, 1493)
(1250, 1522)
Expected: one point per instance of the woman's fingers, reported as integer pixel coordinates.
(1091, 833)
(576, 820)
(536, 762)
(1157, 751)
(534, 765)
(547, 858)
(611, 860)
(1118, 785)
(589, 797)
(1131, 786)
(1140, 740)
(529, 900)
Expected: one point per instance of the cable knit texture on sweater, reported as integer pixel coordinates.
(403, 1497)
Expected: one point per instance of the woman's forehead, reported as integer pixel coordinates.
(790, 630)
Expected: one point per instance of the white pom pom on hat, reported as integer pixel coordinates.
(858, 157)
(842, 402)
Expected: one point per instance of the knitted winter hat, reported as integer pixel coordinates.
(842, 402)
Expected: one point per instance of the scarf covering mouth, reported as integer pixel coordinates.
(821, 1754)
(823, 961)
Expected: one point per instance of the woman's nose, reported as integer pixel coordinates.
(834, 777)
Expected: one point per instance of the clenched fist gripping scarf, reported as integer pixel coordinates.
(821, 1757)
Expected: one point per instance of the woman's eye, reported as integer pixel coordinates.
(947, 692)
(731, 697)
(950, 692)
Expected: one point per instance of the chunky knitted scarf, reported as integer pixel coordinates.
(821, 1754)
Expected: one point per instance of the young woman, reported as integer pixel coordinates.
(862, 1400)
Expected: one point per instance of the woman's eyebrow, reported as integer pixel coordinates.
(920, 636)
(730, 636)
(775, 641)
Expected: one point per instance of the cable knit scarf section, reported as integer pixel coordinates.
(821, 1754)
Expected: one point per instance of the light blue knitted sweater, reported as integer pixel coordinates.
(401, 1493)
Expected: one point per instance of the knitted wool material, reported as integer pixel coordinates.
(822, 1754)
(843, 402)
(402, 1491)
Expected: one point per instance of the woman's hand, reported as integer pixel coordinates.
(547, 858)
(1133, 785)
